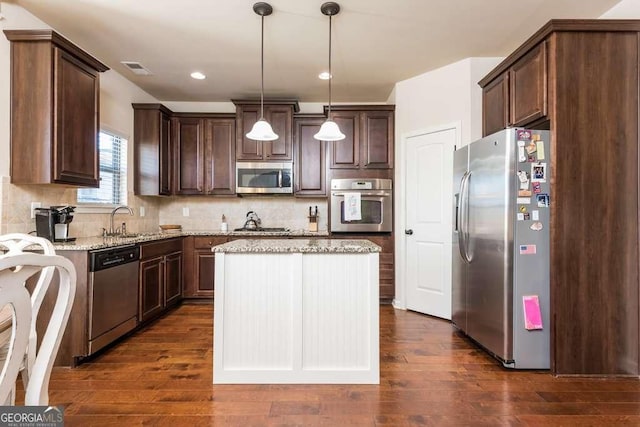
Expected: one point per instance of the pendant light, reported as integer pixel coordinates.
(262, 130)
(329, 131)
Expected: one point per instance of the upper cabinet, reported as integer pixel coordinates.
(518, 96)
(310, 157)
(205, 154)
(55, 89)
(183, 153)
(369, 137)
(152, 148)
(279, 114)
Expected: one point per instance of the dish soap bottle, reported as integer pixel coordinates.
(223, 225)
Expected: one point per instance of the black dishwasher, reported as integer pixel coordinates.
(113, 294)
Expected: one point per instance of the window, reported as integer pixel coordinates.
(113, 173)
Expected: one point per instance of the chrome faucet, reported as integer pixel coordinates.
(113, 232)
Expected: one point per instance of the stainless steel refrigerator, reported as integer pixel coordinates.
(501, 246)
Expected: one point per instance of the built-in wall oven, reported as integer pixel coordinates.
(113, 294)
(374, 205)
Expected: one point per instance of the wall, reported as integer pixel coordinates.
(443, 96)
(626, 9)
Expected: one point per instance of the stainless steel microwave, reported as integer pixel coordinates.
(264, 178)
(375, 200)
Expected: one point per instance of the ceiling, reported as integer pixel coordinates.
(375, 43)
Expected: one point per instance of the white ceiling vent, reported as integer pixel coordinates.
(136, 68)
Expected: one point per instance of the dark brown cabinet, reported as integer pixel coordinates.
(200, 265)
(204, 155)
(369, 137)
(160, 277)
(189, 155)
(593, 84)
(518, 96)
(55, 88)
(495, 111)
(310, 158)
(280, 117)
(151, 288)
(152, 150)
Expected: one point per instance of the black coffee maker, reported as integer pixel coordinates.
(53, 223)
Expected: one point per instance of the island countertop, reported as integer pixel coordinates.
(297, 246)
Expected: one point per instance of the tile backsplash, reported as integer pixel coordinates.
(15, 211)
(204, 213)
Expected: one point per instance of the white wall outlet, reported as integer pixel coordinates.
(142, 212)
(185, 211)
(34, 205)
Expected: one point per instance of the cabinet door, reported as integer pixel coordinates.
(165, 156)
(281, 120)
(495, 112)
(173, 278)
(76, 97)
(345, 154)
(220, 156)
(247, 149)
(189, 152)
(377, 139)
(310, 163)
(528, 87)
(151, 288)
(205, 272)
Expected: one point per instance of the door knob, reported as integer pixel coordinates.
(408, 232)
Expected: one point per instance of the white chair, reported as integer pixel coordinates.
(15, 243)
(15, 269)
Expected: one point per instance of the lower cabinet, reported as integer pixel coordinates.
(160, 277)
(199, 265)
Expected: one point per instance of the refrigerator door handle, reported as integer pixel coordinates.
(463, 234)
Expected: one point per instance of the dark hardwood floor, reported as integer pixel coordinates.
(430, 375)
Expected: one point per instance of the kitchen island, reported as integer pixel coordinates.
(296, 311)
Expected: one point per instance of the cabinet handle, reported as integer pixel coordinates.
(408, 232)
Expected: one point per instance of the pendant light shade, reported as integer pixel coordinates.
(262, 130)
(329, 131)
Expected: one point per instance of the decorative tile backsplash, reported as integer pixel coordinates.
(205, 213)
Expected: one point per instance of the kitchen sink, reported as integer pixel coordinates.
(264, 229)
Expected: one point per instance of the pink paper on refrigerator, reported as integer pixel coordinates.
(532, 314)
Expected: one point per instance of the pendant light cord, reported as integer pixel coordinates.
(262, 70)
(330, 75)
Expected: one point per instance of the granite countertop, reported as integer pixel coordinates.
(297, 246)
(92, 243)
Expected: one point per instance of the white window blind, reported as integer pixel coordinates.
(113, 173)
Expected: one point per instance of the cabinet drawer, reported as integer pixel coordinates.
(206, 242)
(159, 248)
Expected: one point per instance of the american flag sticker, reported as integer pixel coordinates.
(527, 249)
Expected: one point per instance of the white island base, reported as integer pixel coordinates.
(296, 311)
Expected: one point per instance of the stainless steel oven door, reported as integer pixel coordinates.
(376, 208)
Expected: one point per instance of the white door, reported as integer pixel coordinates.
(429, 176)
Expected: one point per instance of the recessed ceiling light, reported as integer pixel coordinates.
(198, 75)
(324, 75)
